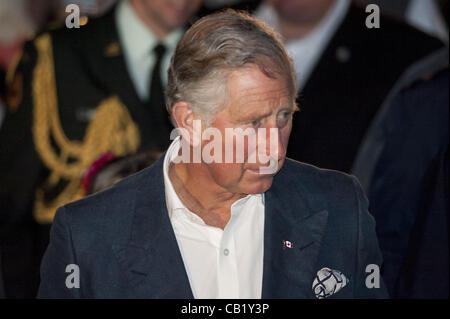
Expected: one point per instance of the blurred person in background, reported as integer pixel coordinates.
(430, 16)
(408, 189)
(88, 8)
(83, 92)
(20, 20)
(356, 66)
(16, 26)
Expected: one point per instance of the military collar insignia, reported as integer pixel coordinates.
(112, 49)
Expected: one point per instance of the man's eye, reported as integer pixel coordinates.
(255, 123)
(286, 114)
(283, 118)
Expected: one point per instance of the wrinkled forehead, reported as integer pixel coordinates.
(250, 90)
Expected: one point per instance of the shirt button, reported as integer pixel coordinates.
(226, 252)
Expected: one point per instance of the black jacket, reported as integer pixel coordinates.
(341, 98)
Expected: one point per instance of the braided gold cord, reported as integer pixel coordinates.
(112, 129)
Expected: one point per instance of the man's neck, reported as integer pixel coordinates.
(210, 203)
(158, 30)
(291, 30)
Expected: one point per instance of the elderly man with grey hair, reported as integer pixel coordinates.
(223, 213)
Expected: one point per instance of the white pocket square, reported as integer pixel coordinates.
(328, 282)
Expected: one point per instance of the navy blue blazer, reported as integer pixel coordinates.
(124, 245)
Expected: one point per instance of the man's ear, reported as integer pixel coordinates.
(185, 120)
(183, 116)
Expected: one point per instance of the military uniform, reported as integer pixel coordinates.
(71, 99)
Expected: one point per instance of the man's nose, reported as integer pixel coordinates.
(274, 145)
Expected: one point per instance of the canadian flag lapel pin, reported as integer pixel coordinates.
(287, 244)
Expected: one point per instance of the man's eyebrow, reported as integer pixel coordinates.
(257, 114)
(251, 116)
(289, 107)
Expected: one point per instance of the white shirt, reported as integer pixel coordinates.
(138, 41)
(219, 263)
(306, 51)
(425, 15)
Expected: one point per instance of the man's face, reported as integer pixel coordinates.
(301, 11)
(170, 14)
(256, 102)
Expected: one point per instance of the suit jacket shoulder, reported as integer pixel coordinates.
(112, 211)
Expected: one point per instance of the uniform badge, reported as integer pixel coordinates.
(113, 49)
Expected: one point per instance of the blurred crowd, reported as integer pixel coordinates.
(81, 108)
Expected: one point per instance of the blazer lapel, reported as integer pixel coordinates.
(151, 259)
(291, 215)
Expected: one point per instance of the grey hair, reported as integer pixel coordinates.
(213, 47)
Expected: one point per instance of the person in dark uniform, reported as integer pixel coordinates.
(77, 94)
(345, 69)
(409, 190)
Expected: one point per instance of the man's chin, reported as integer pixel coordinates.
(262, 185)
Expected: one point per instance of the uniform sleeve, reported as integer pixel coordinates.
(369, 283)
(59, 275)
